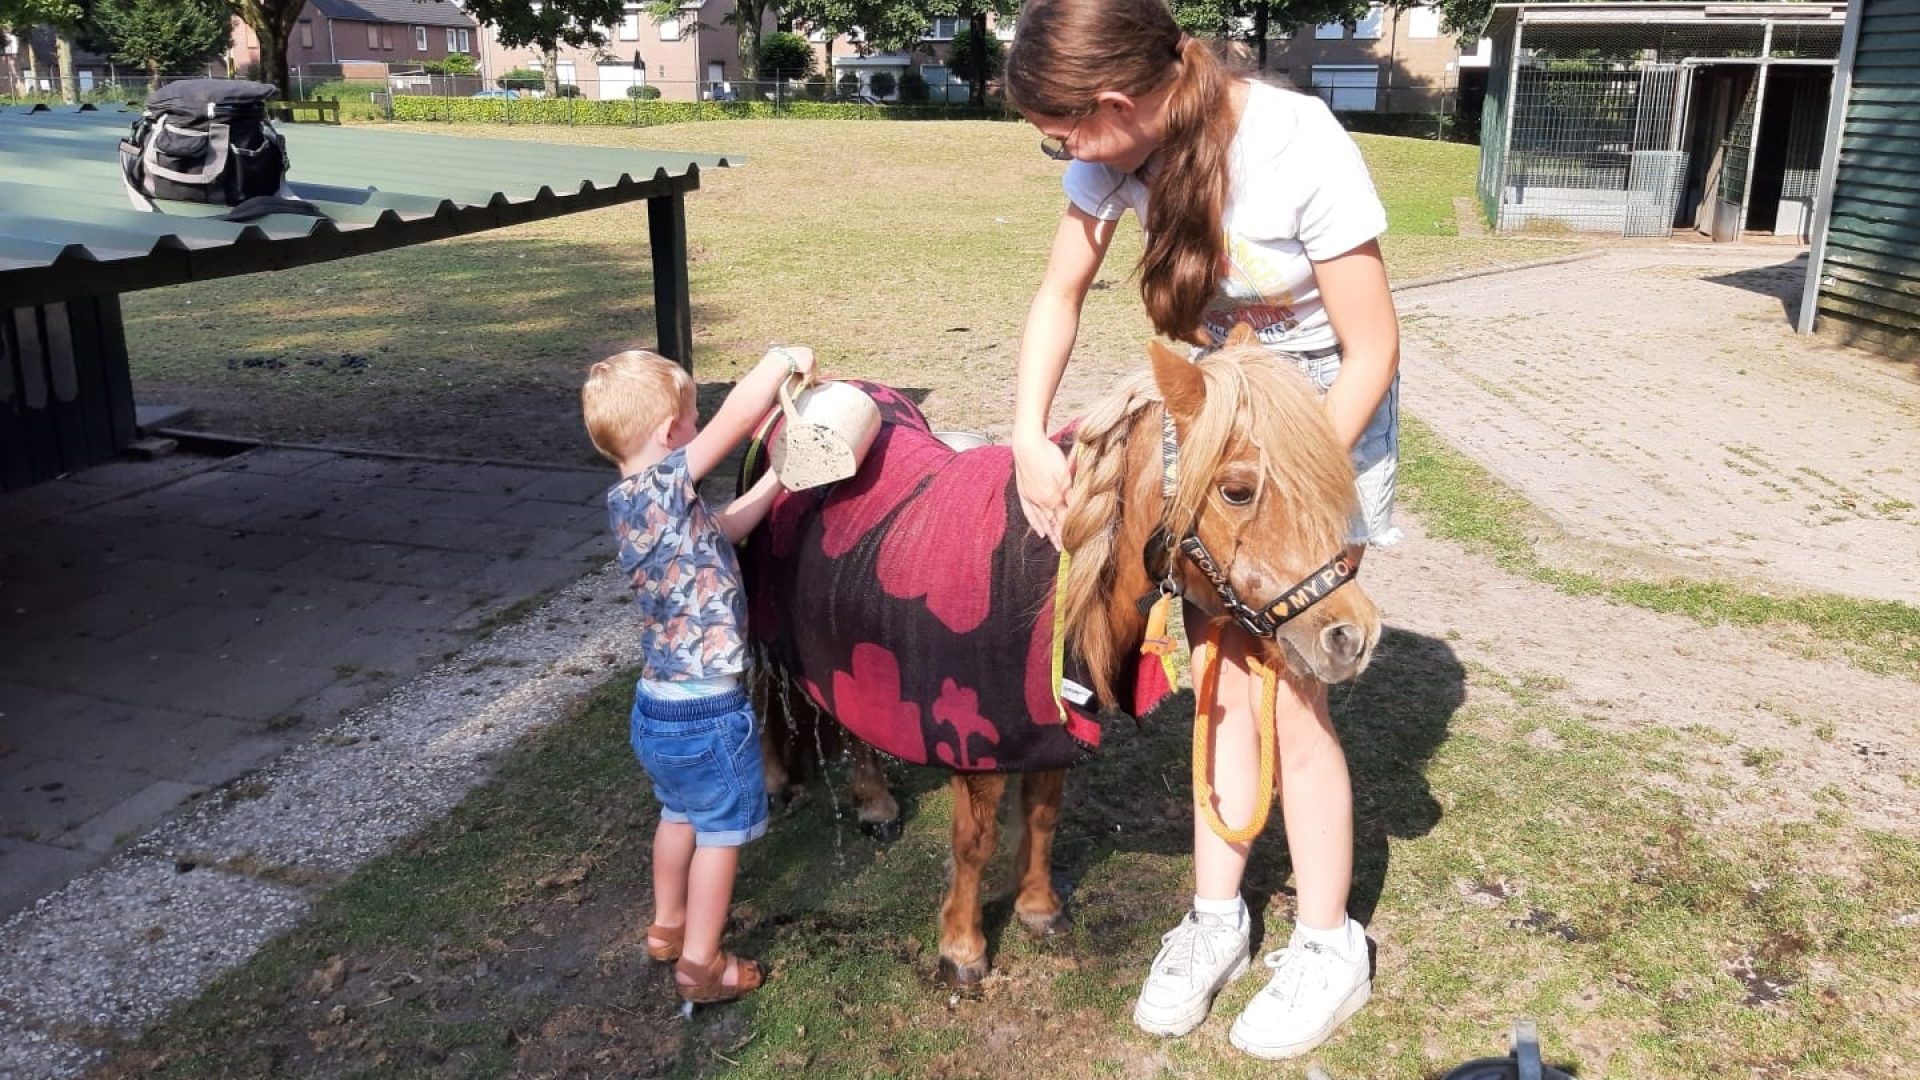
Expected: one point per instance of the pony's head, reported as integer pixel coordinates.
(1267, 489)
(1253, 523)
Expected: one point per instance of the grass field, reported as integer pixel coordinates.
(1515, 855)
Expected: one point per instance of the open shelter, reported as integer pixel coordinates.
(71, 242)
(1640, 118)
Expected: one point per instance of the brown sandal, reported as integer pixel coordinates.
(673, 936)
(709, 985)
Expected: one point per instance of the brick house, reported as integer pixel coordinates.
(1393, 60)
(333, 35)
(687, 57)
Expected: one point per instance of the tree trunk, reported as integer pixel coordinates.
(749, 50)
(153, 75)
(1260, 33)
(977, 87)
(550, 68)
(63, 52)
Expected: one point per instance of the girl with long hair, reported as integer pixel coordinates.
(1258, 210)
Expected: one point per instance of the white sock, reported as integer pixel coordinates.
(1233, 910)
(1347, 939)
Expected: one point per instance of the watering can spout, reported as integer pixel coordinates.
(829, 429)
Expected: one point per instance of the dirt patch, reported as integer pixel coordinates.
(1655, 399)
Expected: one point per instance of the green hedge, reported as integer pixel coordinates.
(650, 113)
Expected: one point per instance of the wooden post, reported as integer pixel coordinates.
(672, 306)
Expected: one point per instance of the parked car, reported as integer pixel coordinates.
(504, 95)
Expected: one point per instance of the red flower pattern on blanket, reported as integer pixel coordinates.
(913, 604)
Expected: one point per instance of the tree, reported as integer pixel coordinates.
(976, 58)
(976, 12)
(786, 56)
(162, 35)
(546, 25)
(272, 21)
(64, 16)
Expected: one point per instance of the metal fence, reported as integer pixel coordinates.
(1595, 128)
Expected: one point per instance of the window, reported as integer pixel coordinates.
(630, 26)
(373, 35)
(420, 39)
(466, 41)
(1368, 29)
(1423, 22)
(1329, 31)
(670, 28)
(386, 38)
(1348, 87)
(452, 41)
(306, 33)
(945, 28)
(563, 73)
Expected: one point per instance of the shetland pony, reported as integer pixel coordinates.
(912, 603)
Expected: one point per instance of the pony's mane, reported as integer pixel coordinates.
(1257, 407)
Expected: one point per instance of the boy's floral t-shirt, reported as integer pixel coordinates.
(686, 580)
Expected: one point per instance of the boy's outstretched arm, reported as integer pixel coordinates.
(746, 403)
(738, 518)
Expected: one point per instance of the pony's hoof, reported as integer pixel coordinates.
(961, 976)
(884, 831)
(1047, 926)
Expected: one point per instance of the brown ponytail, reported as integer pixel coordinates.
(1187, 196)
(1065, 53)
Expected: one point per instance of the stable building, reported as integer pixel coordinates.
(1863, 272)
(1641, 118)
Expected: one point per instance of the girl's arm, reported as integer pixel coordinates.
(739, 517)
(1053, 322)
(1359, 304)
(746, 403)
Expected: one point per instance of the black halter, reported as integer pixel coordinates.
(1262, 621)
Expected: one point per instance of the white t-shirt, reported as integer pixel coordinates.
(1298, 192)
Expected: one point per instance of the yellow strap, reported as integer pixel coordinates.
(1158, 641)
(1206, 660)
(1059, 662)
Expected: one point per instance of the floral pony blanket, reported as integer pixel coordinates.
(913, 604)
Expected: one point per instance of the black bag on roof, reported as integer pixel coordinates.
(205, 141)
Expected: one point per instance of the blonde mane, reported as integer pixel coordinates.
(1257, 408)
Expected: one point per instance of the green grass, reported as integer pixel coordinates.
(915, 263)
(1511, 858)
(1503, 877)
(1458, 500)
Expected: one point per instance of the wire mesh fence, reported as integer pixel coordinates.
(1636, 128)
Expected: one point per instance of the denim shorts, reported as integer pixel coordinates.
(1376, 458)
(704, 759)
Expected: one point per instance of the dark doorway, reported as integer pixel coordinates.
(1786, 162)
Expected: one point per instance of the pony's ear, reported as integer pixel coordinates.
(1181, 384)
(1241, 334)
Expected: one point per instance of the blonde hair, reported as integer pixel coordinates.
(627, 396)
(1066, 53)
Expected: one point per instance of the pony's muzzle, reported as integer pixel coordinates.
(1345, 649)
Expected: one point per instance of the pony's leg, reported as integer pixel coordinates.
(879, 814)
(1037, 905)
(976, 835)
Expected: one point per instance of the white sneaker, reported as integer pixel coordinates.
(1198, 957)
(1313, 991)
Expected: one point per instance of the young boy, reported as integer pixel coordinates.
(692, 726)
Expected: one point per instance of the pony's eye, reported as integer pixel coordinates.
(1236, 494)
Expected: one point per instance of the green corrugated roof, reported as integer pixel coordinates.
(67, 227)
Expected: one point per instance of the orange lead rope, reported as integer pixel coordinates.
(1206, 662)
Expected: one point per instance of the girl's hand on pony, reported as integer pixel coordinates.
(1040, 471)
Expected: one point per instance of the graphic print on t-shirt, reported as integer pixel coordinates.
(1255, 290)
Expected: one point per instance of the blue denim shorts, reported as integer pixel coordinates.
(704, 759)
(1376, 458)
